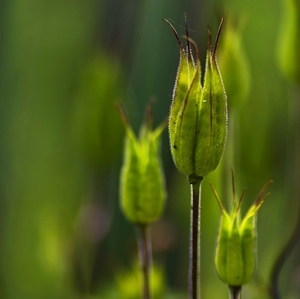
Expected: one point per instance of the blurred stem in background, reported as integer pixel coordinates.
(144, 245)
(289, 63)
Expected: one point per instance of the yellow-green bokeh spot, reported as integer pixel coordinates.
(129, 282)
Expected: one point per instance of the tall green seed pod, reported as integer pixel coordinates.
(235, 257)
(142, 184)
(198, 114)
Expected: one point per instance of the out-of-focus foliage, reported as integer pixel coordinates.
(95, 122)
(233, 62)
(63, 64)
(289, 41)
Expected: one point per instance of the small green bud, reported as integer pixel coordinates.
(235, 257)
(198, 115)
(142, 185)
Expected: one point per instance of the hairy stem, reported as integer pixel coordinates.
(194, 266)
(235, 292)
(144, 246)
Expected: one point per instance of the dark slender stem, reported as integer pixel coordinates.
(294, 164)
(144, 246)
(282, 258)
(235, 292)
(194, 267)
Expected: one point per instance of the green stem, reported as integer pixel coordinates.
(282, 259)
(194, 267)
(144, 246)
(294, 163)
(235, 292)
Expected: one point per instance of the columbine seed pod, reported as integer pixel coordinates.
(235, 257)
(142, 185)
(198, 114)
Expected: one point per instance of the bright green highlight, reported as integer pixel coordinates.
(235, 257)
(198, 116)
(142, 180)
(129, 282)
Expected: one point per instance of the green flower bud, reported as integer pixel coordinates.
(235, 257)
(142, 183)
(198, 115)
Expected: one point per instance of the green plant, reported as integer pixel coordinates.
(142, 187)
(198, 131)
(235, 258)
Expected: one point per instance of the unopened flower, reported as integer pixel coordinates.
(142, 184)
(198, 115)
(235, 257)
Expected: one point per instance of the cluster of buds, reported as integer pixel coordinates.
(236, 248)
(198, 114)
(142, 183)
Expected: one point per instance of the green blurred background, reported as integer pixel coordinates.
(63, 65)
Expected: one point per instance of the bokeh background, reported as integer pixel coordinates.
(63, 66)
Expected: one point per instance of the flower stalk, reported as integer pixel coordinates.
(197, 130)
(144, 247)
(194, 267)
(235, 292)
(142, 187)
